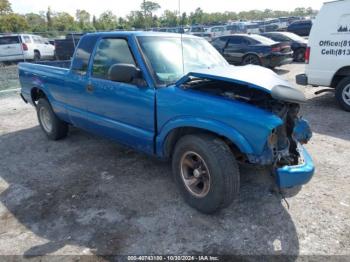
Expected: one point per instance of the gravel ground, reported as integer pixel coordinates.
(8, 77)
(85, 195)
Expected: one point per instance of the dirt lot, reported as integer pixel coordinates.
(86, 195)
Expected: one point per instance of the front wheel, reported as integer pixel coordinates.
(251, 60)
(53, 127)
(206, 172)
(342, 93)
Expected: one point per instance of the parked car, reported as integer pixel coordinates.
(269, 25)
(242, 27)
(216, 31)
(328, 54)
(301, 27)
(253, 49)
(252, 28)
(297, 43)
(19, 47)
(178, 30)
(205, 121)
(199, 31)
(64, 48)
(235, 28)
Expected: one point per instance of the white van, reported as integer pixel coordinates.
(19, 47)
(328, 54)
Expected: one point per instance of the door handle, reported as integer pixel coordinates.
(89, 88)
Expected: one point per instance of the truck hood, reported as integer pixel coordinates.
(252, 76)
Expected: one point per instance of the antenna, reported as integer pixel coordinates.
(182, 44)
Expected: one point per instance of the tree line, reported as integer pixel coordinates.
(53, 22)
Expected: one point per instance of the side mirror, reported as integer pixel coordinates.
(124, 73)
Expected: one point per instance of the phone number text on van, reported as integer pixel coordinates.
(328, 43)
(336, 52)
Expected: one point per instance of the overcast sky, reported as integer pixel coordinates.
(123, 7)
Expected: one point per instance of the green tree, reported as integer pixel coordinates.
(136, 19)
(197, 16)
(49, 18)
(169, 18)
(13, 23)
(184, 19)
(148, 8)
(5, 7)
(36, 22)
(94, 22)
(64, 22)
(83, 19)
(106, 21)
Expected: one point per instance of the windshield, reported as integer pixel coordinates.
(165, 56)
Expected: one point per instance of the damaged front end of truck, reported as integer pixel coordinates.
(262, 88)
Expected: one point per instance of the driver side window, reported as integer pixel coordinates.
(109, 52)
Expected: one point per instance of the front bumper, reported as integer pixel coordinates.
(301, 79)
(290, 176)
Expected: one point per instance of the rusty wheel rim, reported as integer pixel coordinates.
(195, 174)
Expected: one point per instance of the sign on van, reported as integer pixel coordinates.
(344, 24)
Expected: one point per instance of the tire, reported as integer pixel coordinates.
(53, 127)
(37, 55)
(219, 185)
(342, 93)
(299, 55)
(251, 60)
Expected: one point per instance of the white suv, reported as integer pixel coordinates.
(24, 47)
(328, 54)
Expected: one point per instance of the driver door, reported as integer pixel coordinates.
(121, 111)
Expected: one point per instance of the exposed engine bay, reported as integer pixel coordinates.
(282, 146)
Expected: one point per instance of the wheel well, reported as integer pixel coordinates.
(339, 75)
(174, 136)
(251, 54)
(36, 94)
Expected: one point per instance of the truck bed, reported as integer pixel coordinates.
(44, 75)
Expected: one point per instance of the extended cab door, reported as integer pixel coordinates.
(121, 111)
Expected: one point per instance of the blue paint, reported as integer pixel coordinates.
(143, 116)
(289, 176)
(302, 131)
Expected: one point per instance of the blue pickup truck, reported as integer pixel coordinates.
(175, 97)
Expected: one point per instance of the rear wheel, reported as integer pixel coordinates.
(53, 127)
(206, 172)
(299, 55)
(342, 93)
(251, 60)
(37, 55)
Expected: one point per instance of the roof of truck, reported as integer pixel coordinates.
(141, 33)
